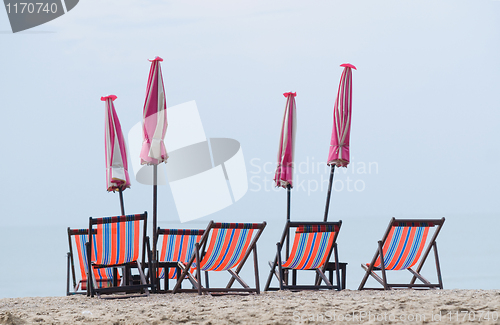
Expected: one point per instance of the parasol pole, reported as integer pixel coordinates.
(288, 194)
(327, 207)
(155, 195)
(121, 201)
(155, 202)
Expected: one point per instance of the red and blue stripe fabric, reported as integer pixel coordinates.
(177, 246)
(117, 241)
(404, 245)
(311, 247)
(104, 276)
(229, 243)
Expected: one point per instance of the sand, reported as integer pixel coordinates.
(346, 307)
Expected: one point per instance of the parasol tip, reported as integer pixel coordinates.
(112, 97)
(156, 59)
(348, 65)
(290, 93)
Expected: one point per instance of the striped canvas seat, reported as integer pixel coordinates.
(103, 276)
(228, 245)
(311, 247)
(223, 247)
(119, 241)
(177, 245)
(313, 244)
(405, 244)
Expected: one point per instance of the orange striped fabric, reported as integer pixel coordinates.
(104, 276)
(310, 250)
(177, 245)
(227, 248)
(404, 245)
(117, 243)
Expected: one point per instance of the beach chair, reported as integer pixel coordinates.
(104, 277)
(177, 246)
(118, 243)
(405, 243)
(312, 247)
(229, 246)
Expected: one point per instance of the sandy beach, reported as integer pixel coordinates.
(372, 307)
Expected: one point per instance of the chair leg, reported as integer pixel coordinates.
(337, 266)
(187, 274)
(93, 283)
(115, 277)
(382, 264)
(421, 278)
(438, 267)
(67, 275)
(179, 272)
(141, 275)
(317, 280)
(90, 274)
(368, 271)
(126, 275)
(239, 279)
(272, 273)
(344, 276)
(256, 268)
(323, 277)
(371, 272)
(280, 268)
(198, 271)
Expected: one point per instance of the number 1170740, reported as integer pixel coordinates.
(31, 8)
(472, 316)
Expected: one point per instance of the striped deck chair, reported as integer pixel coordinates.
(118, 243)
(312, 247)
(104, 277)
(177, 246)
(223, 247)
(405, 243)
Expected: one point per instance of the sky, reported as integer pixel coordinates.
(425, 123)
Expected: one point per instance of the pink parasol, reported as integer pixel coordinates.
(284, 171)
(117, 178)
(339, 144)
(154, 127)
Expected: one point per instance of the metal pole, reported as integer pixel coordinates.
(121, 201)
(287, 250)
(288, 219)
(329, 193)
(155, 195)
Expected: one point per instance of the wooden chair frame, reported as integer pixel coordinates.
(282, 273)
(128, 283)
(370, 269)
(75, 287)
(199, 253)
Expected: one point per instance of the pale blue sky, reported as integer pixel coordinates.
(425, 97)
(425, 109)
